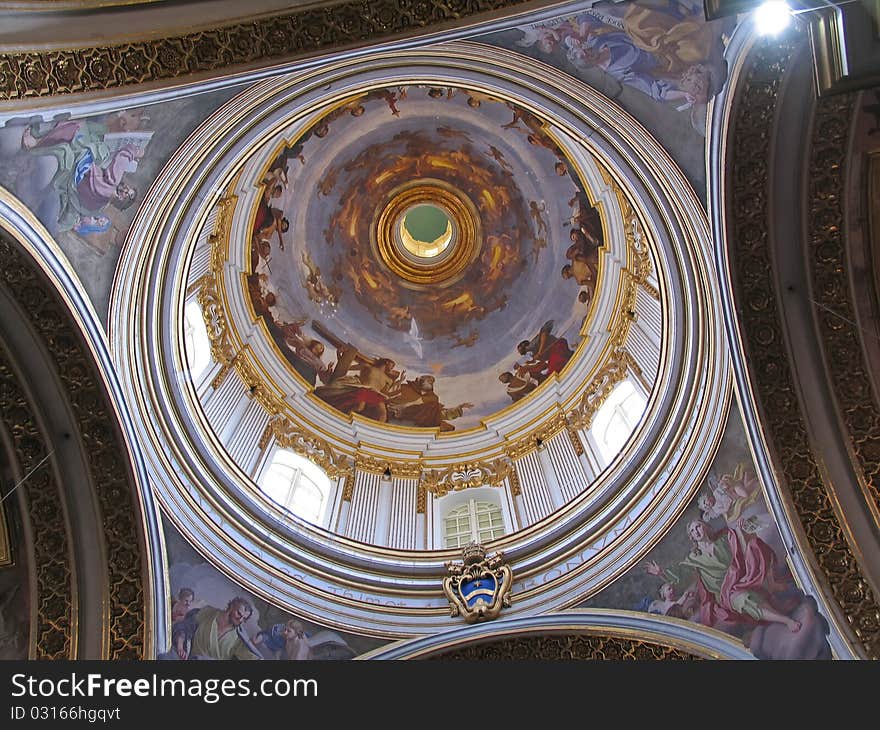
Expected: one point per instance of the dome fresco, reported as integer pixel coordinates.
(438, 341)
(432, 275)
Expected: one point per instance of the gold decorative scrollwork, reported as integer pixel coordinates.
(519, 448)
(289, 436)
(348, 488)
(454, 478)
(513, 481)
(618, 366)
(214, 315)
(398, 468)
(268, 433)
(219, 237)
(576, 442)
(271, 402)
(304, 31)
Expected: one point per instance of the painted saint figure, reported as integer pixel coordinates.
(735, 576)
(214, 633)
(545, 354)
(416, 404)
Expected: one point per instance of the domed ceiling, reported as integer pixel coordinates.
(421, 256)
(425, 272)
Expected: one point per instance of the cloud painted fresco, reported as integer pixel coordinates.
(660, 59)
(444, 355)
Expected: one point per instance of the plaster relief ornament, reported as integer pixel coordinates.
(478, 587)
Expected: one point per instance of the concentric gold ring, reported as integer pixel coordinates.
(464, 247)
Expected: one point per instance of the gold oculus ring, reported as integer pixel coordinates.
(427, 233)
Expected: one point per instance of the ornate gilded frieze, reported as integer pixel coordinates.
(519, 448)
(575, 440)
(568, 647)
(303, 32)
(619, 365)
(454, 478)
(51, 546)
(836, 315)
(348, 488)
(214, 315)
(764, 341)
(111, 476)
(513, 481)
(271, 402)
(386, 467)
(289, 436)
(218, 239)
(268, 433)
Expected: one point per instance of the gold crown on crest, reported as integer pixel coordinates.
(472, 553)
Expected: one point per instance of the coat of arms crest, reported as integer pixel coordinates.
(478, 587)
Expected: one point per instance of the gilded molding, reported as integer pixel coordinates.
(289, 436)
(305, 31)
(268, 433)
(568, 647)
(271, 403)
(421, 499)
(441, 482)
(519, 448)
(218, 238)
(576, 442)
(388, 467)
(514, 483)
(764, 342)
(214, 315)
(218, 379)
(841, 339)
(616, 368)
(348, 488)
(111, 477)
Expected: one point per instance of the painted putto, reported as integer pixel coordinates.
(423, 256)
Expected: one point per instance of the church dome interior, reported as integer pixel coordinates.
(331, 322)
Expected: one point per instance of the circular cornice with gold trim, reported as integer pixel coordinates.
(463, 246)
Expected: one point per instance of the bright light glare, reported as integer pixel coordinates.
(772, 17)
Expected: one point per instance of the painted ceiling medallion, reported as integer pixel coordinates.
(414, 250)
